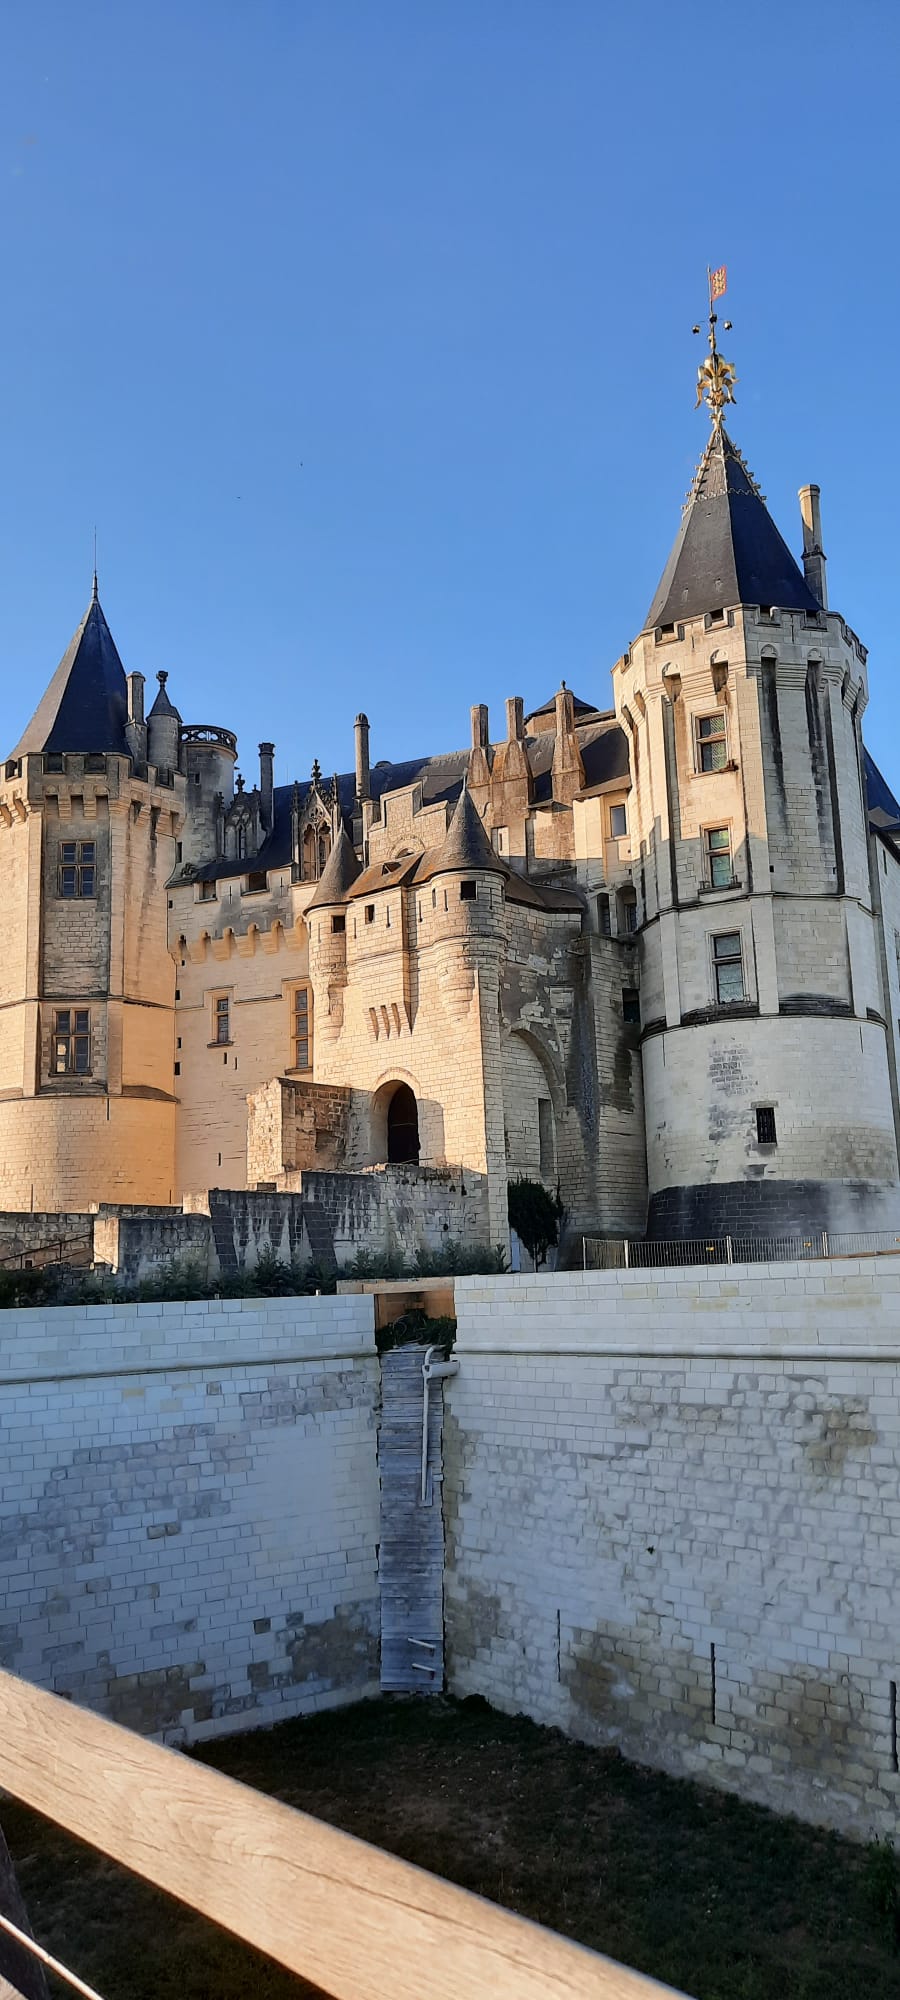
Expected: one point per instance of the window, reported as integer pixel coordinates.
(77, 868)
(765, 1125)
(257, 881)
(728, 967)
(300, 1028)
(547, 1152)
(468, 892)
(370, 913)
(339, 923)
(618, 822)
(207, 891)
(627, 910)
(631, 1006)
(500, 840)
(71, 1042)
(222, 1018)
(712, 743)
(604, 919)
(718, 858)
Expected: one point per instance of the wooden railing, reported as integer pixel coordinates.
(358, 1923)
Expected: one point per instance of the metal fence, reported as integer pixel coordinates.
(615, 1254)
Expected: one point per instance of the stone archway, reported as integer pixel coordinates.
(403, 1127)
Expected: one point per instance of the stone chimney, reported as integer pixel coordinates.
(267, 785)
(363, 780)
(515, 719)
(813, 553)
(136, 727)
(478, 776)
(568, 770)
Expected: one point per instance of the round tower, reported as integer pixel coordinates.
(87, 846)
(326, 920)
(210, 755)
(766, 1077)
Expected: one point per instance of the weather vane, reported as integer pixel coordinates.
(715, 376)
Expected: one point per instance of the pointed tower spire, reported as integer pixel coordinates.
(85, 707)
(467, 844)
(340, 872)
(728, 550)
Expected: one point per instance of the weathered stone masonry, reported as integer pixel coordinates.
(674, 1525)
(189, 1509)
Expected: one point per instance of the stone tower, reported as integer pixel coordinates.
(766, 1078)
(88, 831)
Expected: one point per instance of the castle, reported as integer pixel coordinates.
(649, 955)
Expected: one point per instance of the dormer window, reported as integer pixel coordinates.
(207, 891)
(257, 882)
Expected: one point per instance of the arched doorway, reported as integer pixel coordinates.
(403, 1127)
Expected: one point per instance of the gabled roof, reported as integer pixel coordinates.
(85, 707)
(339, 873)
(728, 549)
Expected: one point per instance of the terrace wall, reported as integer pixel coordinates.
(189, 1508)
(673, 1522)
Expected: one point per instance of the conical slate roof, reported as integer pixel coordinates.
(339, 873)
(467, 844)
(162, 704)
(85, 707)
(728, 549)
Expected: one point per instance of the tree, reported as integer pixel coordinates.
(535, 1216)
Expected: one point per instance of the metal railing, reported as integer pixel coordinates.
(621, 1254)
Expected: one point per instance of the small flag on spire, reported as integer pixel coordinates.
(718, 283)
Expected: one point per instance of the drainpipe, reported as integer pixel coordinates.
(432, 1371)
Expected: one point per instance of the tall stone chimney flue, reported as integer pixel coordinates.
(267, 785)
(813, 553)
(363, 780)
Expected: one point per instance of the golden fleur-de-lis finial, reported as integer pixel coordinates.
(716, 377)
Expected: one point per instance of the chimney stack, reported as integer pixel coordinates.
(480, 726)
(813, 554)
(515, 719)
(136, 699)
(267, 784)
(361, 732)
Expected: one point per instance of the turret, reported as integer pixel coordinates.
(766, 1079)
(210, 755)
(326, 920)
(163, 731)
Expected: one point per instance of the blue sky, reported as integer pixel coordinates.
(361, 328)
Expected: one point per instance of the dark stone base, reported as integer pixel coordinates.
(772, 1208)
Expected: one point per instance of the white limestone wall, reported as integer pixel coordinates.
(674, 1523)
(828, 1081)
(189, 1508)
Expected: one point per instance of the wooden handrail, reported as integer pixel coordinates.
(355, 1921)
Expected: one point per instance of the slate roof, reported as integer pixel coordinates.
(85, 707)
(884, 812)
(728, 549)
(162, 704)
(604, 751)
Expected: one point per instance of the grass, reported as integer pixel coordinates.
(722, 1900)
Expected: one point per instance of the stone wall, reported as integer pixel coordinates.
(673, 1523)
(189, 1515)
